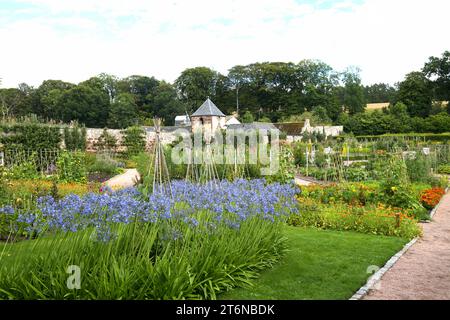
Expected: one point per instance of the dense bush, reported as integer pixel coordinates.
(378, 123)
(30, 136)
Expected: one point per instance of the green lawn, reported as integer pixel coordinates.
(321, 265)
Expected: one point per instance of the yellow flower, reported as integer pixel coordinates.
(394, 189)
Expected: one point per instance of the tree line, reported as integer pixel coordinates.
(268, 91)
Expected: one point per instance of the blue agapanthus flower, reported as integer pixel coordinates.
(229, 203)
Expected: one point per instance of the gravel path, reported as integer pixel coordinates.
(124, 180)
(423, 272)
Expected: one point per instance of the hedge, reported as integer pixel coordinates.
(30, 136)
(442, 137)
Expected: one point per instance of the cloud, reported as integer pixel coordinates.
(74, 40)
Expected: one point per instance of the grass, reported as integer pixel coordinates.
(320, 265)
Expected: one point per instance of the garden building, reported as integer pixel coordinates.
(208, 117)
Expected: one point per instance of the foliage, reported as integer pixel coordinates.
(419, 168)
(247, 117)
(444, 169)
(87, 105)
(25, 170)
(134, 140)
(395, 188)
(186, 247)
(71, 167)
(378, 220)
(75, 138)
(431, 197)
(30, 136)
(379, 93)
(439, 70)
(270, 90)
(104, 163)
(416, 93)
(123, 112)
(353, 97)
(106, 142)
(299, 151)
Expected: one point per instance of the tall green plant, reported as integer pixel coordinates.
(71, 167)
(134, 140)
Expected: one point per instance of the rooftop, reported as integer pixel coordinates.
(208, 108)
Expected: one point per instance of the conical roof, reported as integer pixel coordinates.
(208, 108)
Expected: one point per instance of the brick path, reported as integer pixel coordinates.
(423, 272)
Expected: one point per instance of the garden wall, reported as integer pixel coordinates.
(92, 136)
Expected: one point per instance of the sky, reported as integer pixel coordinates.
(73, 40)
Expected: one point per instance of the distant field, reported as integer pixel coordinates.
(379, 106)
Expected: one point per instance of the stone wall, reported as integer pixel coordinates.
(167, 136)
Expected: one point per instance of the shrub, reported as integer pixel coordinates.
(26, 169)
(104, 163)
(30, 136)
(71, 167)
(444, 169)
(299, 155)
(106, 142)
(134, 140)
(75, 138)
(419, 168)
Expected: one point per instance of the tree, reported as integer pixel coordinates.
(106, 82)
(438, 71)
(353, 92)
(321, 114)
(45, 106)
(416, 93)
(87, 105)
(13, 102)
(165, 104)
(238, 76)
(247, 117)
(379, 93)
(123, 112)
(143, 88)
(195, 85)
(399, 118)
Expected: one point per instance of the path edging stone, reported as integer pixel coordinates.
(374, 279)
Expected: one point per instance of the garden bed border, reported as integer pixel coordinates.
(375, 278)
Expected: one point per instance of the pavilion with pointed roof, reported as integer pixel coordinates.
(208, 117)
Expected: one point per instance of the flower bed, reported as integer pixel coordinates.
(431, 197)
(359, 207)
(204, 240)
